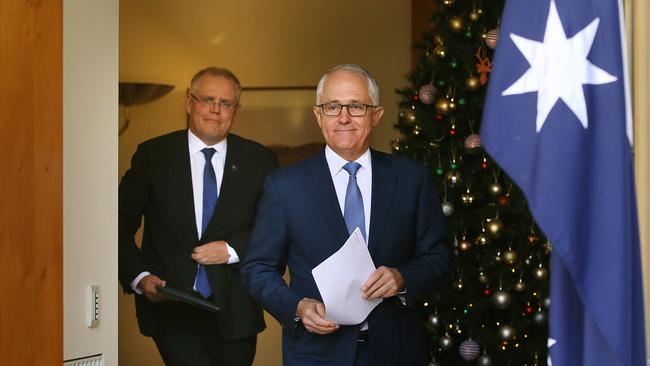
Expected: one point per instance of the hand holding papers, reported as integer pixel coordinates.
(339, 279)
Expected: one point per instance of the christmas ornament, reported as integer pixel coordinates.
(464, 245)
(504, 199)
(439, 171)
(487, 292)
(445, 342)
(501, 300)
(442, 106)
(482, 278)
(433, 321)
(510, 257)
(483, 67)
(408, 114)
(472, 83)
(453, 64)
(469, 350)
(546, 303)
(533, 238)
(495, 189)
(457, 24)
(539, 318)
(459, 284)
(484, 360)
(482, 239)
(416, 130)
(494, 228)
(541, 273)
(440, 51)
(473, 141)
(491, 38)
(474, 15)
(461, 101)
(447, 208)
(520, 286)
(467, 198)
(427, 93)
(448, 3)
(453, 178)
(506, 333)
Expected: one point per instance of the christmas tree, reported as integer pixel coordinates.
(494, 309)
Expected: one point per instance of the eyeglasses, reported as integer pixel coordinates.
(210, 101)
(354, 109)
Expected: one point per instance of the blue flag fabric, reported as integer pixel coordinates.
(557, 121)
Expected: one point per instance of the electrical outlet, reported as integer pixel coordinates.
(92, 306)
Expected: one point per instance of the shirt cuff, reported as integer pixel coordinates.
(232, 255)
(134, 283)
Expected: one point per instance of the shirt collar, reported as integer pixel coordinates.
(196, 145)
(336, 162)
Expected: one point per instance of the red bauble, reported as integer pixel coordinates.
(503, 200)
(487, 292)
(484, 165)
(529, 310)
(440, 117)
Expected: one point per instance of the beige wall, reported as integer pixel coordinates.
(638, 13)
(90, 71)
(287, 43)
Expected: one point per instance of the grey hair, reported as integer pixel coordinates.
(216, 71)
(372, 84)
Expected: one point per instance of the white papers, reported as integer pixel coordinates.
(339, 279)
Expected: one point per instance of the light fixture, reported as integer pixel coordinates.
(131, 94)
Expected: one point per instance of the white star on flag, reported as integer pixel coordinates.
(558, 68)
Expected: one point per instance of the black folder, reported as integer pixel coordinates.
(178, 295)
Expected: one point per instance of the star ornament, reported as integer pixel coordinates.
(559, 68)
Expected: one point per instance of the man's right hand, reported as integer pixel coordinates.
(149, 285)
(312, 314)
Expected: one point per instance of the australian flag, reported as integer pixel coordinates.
(557, 119)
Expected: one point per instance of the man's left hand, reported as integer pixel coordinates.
(214, 252)
(384, 282)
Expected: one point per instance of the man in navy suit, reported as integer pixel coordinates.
(304, 217)
(198, 190)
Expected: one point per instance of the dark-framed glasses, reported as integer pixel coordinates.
(209, 102)
(354, 109)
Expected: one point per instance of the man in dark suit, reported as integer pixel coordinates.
(307, 212)
(198, 191)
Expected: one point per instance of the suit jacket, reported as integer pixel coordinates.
(158, 187)
(300, 224)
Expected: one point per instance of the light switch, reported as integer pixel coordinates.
(92, 306)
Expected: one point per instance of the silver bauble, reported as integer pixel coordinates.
(506, 333)
(484, 360)
(447, 208)
(501, 300)
(446, 342)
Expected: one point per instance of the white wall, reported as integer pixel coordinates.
(90, 73)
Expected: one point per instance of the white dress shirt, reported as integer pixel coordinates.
(197, 164)
(340, 178)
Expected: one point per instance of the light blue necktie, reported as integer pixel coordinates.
(353, 210)
(209, 202)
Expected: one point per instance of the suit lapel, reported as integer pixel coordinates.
(318, 182)
(183, 188)
(384, 179)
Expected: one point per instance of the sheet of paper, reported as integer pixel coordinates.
(339, 279)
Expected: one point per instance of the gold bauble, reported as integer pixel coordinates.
(474, 15)
(541, 273)
(494, 228)
(482, 240)
(510, 257)
(448, 2)
(452, 105)
(440, 51)
(472, 83)
(495, 189)
(453, 178)
(520, 286)
(467, 198)
(457, 24)
(409, 115)
(464, 245)
(442, 106)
